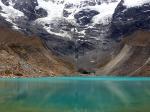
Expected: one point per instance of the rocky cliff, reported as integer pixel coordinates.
(133, 59)
(25, 56)
(86, 36)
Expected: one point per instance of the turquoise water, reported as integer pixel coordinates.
(76, 94)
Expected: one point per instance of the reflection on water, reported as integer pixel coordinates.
(74, 95)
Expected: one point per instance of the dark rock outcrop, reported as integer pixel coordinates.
(127, 20)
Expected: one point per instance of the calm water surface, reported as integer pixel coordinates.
(75, 95)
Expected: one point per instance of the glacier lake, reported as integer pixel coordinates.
(75, 94)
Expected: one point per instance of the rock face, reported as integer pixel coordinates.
(133, 59)
(73, 29)
(127, 20)
(27, 57)
(85, 16)
(88, 33)
(28, 7)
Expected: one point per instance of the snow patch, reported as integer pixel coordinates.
(105, 12)
(63, 34)
(135, 3)
(55, 10)
(10, 14)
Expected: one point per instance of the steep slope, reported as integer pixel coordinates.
(68, 27)
(88, 33)
(130, 16)
(133, 59)
(26, 56)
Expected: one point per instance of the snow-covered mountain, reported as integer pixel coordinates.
(80, 28)
(55, 15)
